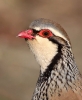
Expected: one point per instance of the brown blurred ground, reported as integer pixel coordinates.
(18, 68)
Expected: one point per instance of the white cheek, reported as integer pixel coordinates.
(44, 50)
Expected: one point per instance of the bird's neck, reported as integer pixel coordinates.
(60, 74)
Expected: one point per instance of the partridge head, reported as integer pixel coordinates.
(59, 77)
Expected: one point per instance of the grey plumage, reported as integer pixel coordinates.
(64, 76)
(59, 77)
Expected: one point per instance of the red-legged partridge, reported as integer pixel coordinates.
(59, 77)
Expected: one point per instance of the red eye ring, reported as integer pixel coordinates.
(45, 33)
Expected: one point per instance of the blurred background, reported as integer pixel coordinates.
(18, 68)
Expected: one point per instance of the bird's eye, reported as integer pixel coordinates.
(45, 33)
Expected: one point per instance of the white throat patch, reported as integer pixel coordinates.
(44, 51)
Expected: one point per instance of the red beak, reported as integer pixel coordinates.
(26, 34)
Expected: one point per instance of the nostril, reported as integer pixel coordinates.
(29, 31)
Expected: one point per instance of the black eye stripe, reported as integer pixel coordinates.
(35, 31)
